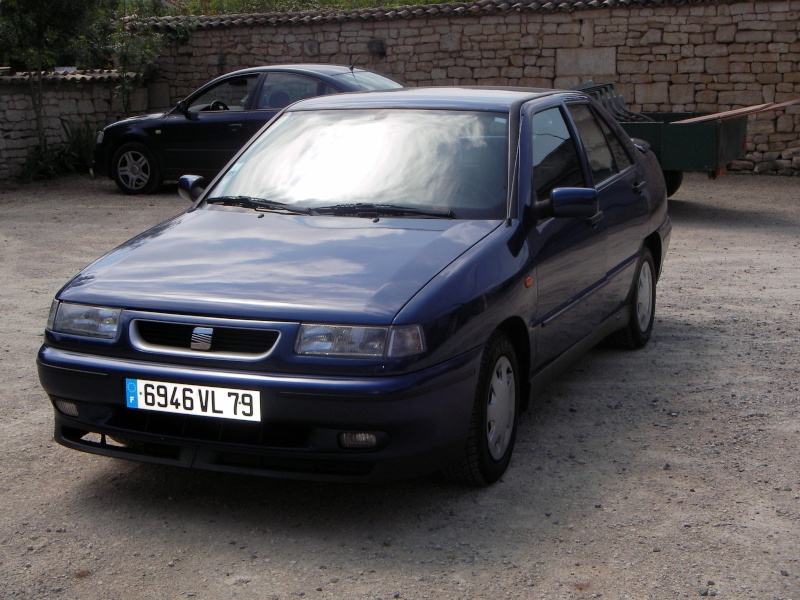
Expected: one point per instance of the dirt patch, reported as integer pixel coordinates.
(668, 472)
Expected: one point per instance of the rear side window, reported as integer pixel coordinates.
(555, 161)
(282, 89)
(621, 157)
(605, 152)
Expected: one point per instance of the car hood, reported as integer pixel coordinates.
(247, 264)
(140, 119)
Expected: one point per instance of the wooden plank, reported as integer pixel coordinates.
(728, 114)
(740, 112)
(782, 105)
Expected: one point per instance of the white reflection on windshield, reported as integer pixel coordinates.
(420, 158)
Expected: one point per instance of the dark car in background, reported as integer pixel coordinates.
(203, 132)
(374, 288)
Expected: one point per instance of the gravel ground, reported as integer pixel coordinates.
(663, 473)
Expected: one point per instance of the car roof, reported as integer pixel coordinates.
(456, 98)
(320, 69)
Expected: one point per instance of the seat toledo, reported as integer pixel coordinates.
(373, 288)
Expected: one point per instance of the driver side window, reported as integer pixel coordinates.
(231, 94)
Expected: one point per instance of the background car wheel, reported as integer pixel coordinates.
(637, 333)
(495, 413)
(135, 170)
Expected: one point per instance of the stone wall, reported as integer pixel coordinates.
(72, 99)
(665, 55)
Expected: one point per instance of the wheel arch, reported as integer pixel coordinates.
(653, 243)
(517, 332)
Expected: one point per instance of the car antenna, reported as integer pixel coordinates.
(353, 66)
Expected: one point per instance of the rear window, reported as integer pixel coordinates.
(368, 81)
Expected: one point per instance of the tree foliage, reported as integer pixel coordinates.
(38, 35)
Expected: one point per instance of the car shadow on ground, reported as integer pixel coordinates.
(721, 217)
(573, 444)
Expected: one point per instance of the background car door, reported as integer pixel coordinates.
(620, 186)
(216, 124)
(569, 254)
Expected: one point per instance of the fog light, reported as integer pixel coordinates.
(358, 439)
(68, 408)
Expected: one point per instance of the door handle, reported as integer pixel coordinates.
(235, 126)
(595, 219)
(638, 187)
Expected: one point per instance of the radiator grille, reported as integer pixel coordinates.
(155, 335)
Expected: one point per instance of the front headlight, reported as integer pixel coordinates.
(84, 320)
(359, 342)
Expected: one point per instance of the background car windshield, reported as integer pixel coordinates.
(430, 159)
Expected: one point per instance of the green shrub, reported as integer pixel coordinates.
(75, 155)
(78, 153)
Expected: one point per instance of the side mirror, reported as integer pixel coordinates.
(574, 202)
(191, 187)
(182, 107)
(567, 202)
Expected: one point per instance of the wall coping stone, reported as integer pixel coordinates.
(88, 76)
(466, 9)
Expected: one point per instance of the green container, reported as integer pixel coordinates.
(708, 146)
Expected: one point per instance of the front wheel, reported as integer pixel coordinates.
(135, 170)
(493, 428)
(637, 333)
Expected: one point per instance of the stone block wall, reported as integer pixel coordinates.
(664, 55)
(677, 56)
(67, 99)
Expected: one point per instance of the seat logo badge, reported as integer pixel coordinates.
(201, 338)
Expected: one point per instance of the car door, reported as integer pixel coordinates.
(620, 185)
(568, 253)
(214, 126)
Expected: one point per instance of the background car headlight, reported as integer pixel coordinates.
(356, 341)
(84, 320)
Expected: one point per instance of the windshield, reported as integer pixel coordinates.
(428, 159)
(368, 81)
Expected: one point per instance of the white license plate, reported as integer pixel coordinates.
(200, 400)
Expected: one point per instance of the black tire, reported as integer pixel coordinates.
(135, 170)
(637, 332)
(673, 180)
(495, 414)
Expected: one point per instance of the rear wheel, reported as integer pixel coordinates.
(135, 170)
(637, 333)
(495, 413)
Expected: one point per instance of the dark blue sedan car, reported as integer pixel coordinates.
(374, 287)
(203, 132)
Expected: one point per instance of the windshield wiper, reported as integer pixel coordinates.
(259, 204)
(366, 209)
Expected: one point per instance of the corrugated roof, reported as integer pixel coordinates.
(384, 13)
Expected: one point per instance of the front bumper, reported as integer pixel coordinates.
(420, 419)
